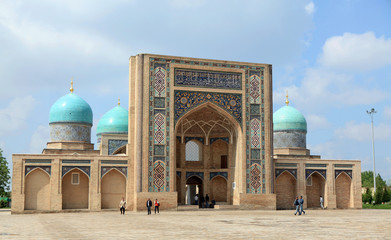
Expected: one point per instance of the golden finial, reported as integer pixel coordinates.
(286, 100)
(119, 102)
(71, 89)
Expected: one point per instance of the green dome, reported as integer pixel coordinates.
(114, 121)
(289, 118)
(70, 108)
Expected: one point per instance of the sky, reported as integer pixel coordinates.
(333, 57)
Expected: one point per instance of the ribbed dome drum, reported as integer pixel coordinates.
(289, 128)
(70, 119)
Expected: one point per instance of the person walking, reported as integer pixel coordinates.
(301, 202)
(149, 205)
(122, 206)
(321, 202)
(196, 199)
(297, 205)
(207, 201)
(157, 205)
(202, 200)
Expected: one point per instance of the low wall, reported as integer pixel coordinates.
(167, 200)
(258, 201)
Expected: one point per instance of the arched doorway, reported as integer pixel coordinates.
(285, 190)
(193, 186)
(218, 189)
(207, 143)
(75, 190)
(342, 190)
(113, 189)
(315, 188)
(37, 190)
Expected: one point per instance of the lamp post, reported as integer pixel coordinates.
(372, 112)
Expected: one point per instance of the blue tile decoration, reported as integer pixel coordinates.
(114, 162)
(280, 171)
(198, 174)
(215, 174)
(212, 140)
(179, 174)
(309, 172)
(187, 100)
(71, 161)
(47, 169)
(159, 150)
(208, 79)
(114, 144)
(49, 161)
(66, 169)
(106, 169)
(348, 172)
(60, 132)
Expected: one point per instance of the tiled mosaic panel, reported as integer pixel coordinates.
(215, 174)
(289, 139)
(106, 169)
(69, 132)
(280, 171)
(158, 170)
(212, 140)
(187, 100)
(66, 169)
(255, 132)
(208, 79)
(114, 144)
(47, 169)
(322, 172)
(198, 174)
(348, 172)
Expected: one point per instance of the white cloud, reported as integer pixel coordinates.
(310, 8)
(363, 131)
(317, 122)
(39, 139)
(356, 52)
(15, 115)
(387, 112)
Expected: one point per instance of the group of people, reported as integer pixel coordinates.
(122, 206)
(298, 203)
(203, 202)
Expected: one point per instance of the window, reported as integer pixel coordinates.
(75, 179)
(309, 181)
(224, 161)
(192, 151)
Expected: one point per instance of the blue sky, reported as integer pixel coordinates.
(334, 58)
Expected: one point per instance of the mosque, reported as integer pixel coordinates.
(194, 126)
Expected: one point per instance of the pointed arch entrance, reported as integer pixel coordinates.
(113, 189)
(207, 143)
(75, 190)
(315, 187)
(343, 190)
(37, 190)
(285, 190)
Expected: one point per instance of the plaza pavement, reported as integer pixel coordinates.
(203, 224)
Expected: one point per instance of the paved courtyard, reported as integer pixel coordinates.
(316, 224)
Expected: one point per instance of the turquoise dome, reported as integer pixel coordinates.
(289, 118)
(70, 108)
(114, 121)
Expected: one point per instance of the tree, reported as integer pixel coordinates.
(4, 176)
(386, 195)
(367, 196)
(378, 195)
(367, 180)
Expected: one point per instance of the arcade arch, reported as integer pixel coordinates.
(343, 190)
(113, 189)
(315, 190)
(75, 189)
(37, 190)
(285, 190)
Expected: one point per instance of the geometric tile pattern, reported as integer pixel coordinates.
(66, 169)
(106, 169)
(70, 132)
(158, 157)
(348, 172)
(159, 176)
(187, 100)
(255, 141)
(198, 174)
(309, 172)
(208, 79)
(255, 127)
(28, 169)
(280, 171)
(212, 140)
(255, 179)
(255, 91)
(160, 128)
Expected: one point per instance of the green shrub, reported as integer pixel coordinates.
(385, 195)
(3, 203)
(367, 196)
(378, 195)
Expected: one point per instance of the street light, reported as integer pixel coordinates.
(372, 112)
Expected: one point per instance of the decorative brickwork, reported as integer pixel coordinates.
(106, 169)
(114, 144)
(280, 171)
(66, 169)
(309, 172)
(348, 172)
(28, 169)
